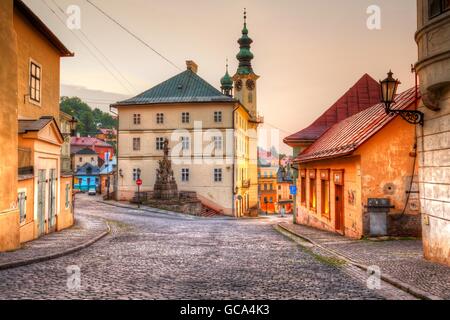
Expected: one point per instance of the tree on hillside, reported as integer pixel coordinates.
(89, 120)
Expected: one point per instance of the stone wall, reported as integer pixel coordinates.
(434, 146)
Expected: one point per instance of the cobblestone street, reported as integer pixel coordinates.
(153, 256)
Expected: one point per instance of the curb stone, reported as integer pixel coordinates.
(418, 293)
(21, 263)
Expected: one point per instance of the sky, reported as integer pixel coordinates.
(308, 53)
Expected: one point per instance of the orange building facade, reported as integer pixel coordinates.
(42, 196)
(357, 165)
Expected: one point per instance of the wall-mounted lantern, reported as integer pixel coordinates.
(389, 88)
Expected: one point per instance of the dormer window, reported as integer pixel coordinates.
(35, 82)
(437, 7)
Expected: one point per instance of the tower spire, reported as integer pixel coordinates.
(245, 56)
(227, 83)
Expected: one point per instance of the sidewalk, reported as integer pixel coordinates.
(85, 232)
(401, 260)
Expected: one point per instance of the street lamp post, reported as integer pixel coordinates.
(389, 88)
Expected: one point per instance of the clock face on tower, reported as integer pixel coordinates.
(250, 85)
(239, 85)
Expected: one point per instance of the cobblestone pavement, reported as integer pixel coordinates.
(400, 259)
(156, 257)
(85, 229)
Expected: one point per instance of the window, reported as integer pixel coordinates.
(136, 174)
(92, 159)
(303, 189)
(250, 97)
(81, 159)
(325, 197)
(271, 200)
(185, 117)
(159, 144)
(279, 188)
(185, 142)
(185, 175)
(437, 7)
(218, 142)
(22, 201)
(35, 82)
(217, 175)
(312, 191)
(218, 116)
(137, 119)
(160, 118)
(136, 144)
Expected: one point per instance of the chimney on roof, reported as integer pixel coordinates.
(191, 65)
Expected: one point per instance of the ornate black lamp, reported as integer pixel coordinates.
(73, 126)
(389, 88)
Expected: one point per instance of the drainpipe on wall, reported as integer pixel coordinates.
(234, 158)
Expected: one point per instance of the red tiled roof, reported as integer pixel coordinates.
(364, 94)
(88, 142)
(345, 137)
(108, 131)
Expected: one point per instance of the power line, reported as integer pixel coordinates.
(99, 51)
(87, 47)
(133, 35)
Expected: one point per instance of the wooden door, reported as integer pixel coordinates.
(42, 184)
(339, 208)
(52, 201)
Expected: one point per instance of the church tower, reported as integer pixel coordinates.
(245, 88)
(227, 84)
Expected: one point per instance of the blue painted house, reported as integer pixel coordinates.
(87, 177)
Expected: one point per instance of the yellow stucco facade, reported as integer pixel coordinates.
(232, 195)
(9, 215)
(29, 133)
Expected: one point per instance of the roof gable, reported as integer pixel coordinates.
(186, 87)
(348, 135)
(86, 151)
(364, 94)
(42, 28)
(88, 142)
(88, 169)
(45, 129)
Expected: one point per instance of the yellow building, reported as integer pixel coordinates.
(213, 137)
(37, 199)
